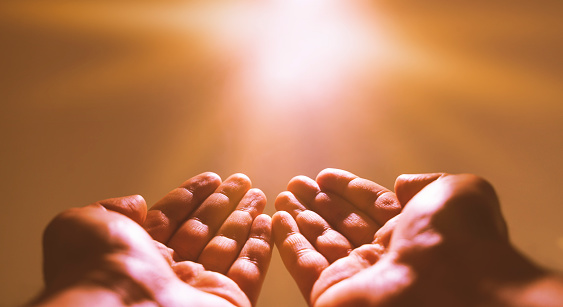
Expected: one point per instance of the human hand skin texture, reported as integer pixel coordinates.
(439, 240)
(205, 243)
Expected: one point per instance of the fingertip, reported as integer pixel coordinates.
(281, 217)
(262, 222)
(133, 206)
(240, 178)
(328, 172)
(212, 179)
(304, 188)
(257, 199)
(287, 202)
(138, 205)
(408, 185)
(203, 179)
(264, 219)
(282, 225)
(211, 176)
(138, 198)
(257, 193)
(282, 199)
(187, 271)
(137, 201)
(330, 175)
(298, 180)
(235, 187)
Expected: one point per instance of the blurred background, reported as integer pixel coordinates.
(108, 98)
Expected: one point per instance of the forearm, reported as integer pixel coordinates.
(546, 291)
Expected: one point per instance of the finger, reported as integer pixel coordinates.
(383, 281)
(134, 207)
(286, 201)
(303, 262)
(249, 269)
(224, 248)
(454, 207)
(166, 216)
(327, 241)
(383, 235)
(377, 202)
(187, 271)
(190, 239)
(407, 185)
(304, 188)
(211, 282)
(361, 258)
(166, 252)
(342, 216)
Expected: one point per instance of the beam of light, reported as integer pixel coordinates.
(305, 52)
(276, 88)
(299, 82)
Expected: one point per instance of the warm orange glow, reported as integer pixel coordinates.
(106, 98)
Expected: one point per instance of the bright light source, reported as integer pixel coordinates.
(305, 52)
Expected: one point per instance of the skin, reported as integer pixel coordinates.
(439, 241)
(206, 243)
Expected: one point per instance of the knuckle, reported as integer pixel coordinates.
(63, 219)
(476, 189)
(472, 205)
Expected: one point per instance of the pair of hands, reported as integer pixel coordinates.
(438, 240)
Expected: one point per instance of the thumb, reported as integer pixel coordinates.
(408, 185)
(454, 206)
(133, 207)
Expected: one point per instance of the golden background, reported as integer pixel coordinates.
(110, 98)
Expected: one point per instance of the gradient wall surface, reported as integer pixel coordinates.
(110, 98)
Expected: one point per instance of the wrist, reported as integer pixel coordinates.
(544, 291)
(106, 286)
(79, 295)
(516, 281)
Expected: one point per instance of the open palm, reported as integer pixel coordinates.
(332, 218)
(346, 241)
(211, 246)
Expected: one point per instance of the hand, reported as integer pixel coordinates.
(211, 247)
(332, 218)
(448, 246)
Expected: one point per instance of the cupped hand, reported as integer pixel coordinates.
(319, 222)
(210, 246)
(346, 242)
